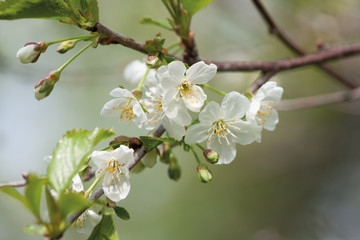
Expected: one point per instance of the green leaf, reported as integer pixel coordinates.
(105, 230)
(33, 193)
(122, 213)
(51, 205)
(152, 142)
(193, 6)
(88, 8)
(149, 20)
(70, 202)
(35, 229)
(46, 9)
(12, 192)
(70, 154)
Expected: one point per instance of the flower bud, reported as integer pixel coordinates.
(204, 173)
(137, 93)
(31, 51)
(153, 61)
(211, 156)
(135, 143)
(164, 152)
(174, 170)
(45, 85)
(66, 46)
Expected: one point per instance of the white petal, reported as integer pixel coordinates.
(211, 113)
(226, 152)
(171, 103)
(183, 117)
(252, 112)
(172, 75)
(99, 158)
(93, 218)
(197, 133)
(140, 118)
(77, 185)
(195, 102)
(174, 129)
(108, 109)
(235, 105)
(200, 73)
(149, 159)
(116, 191)
(121, 92)
(123, 154)
(272, 121)
(27, 54)
(134, 72)
(248, 133)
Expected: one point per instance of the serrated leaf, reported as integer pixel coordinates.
(104, 230)
(46, 9)
(33, 193)
(193, 6)
(70, 154)
(163, 24)
(122, 213)
(89, 9)
(12, 192)
(152, 142)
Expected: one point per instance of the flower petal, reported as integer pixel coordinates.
(171, 103)
(115, 190)
(235, 105)
(200, 73)
(174, 129)
(123, 154)
(247, 132)
(172, 75)
(121, 93)
(272, 121)
(108, 109)
(77, 185)
(134, 72)
(196, 101)
(226, 152)
(197, 133)
(211, 113)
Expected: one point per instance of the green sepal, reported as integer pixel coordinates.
(163, 24)
(33, 193)
(104, 230)
(70, 154)
(155, 46)
(150, 143)
(193, 6)
(35, 229)
(122, 213)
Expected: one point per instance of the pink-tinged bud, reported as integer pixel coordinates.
(211, 156)
(66, 46)
(204, 173)
(45, 85)
(153, 61)
(31, 51)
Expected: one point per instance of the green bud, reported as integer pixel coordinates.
(164, 152)
(66, 46)
(204, 173)
(174, 170)
(249, 95)
(137, 94)
(45, 85)
(211, 156)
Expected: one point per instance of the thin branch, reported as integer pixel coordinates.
(291, 63)
(14, 184)
(276, 30)
(262, 80)
(320, 100)
(121, 39)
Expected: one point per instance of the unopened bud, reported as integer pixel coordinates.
(153, 61)
(137, 93)
(211, 156)
(204, 173)
(174, 170)
(164, 152)
(45, 85)
(135, 143)
(66, 46)
(249, 95)
(31, 51)
(120, 140)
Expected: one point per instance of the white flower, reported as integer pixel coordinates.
(116, 182)
(29, 53)
(153, 103)
(125, 105)
(262, 105)
(86, 222)
(134, 72)
(222, 127)
(180, 87)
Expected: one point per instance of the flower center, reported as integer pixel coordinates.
(264, 112)
(222, 131)
(188, 92)
(154, 105)
(113, 168)
(126, 109)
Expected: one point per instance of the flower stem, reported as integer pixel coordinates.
(79, 38)
(201, 147)
(73, 58)
(195, 154)
(214, 89)
(88, 192)
(143, 78)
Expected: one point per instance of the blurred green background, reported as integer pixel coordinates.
(301, 182)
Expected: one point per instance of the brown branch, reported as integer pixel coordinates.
(274, 29)
(14, 184)
(121, 39)
(320, 100)
(265, 76)
(291, 63)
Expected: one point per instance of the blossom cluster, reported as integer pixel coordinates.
(170, 94)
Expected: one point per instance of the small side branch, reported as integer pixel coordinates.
(320, 100)
(262, 80)
(276, 30)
